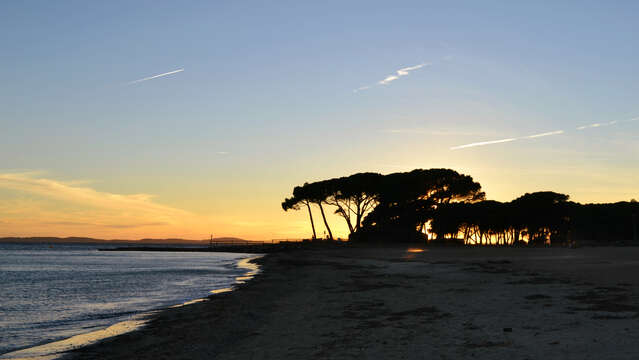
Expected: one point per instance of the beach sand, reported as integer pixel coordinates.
(392, 303)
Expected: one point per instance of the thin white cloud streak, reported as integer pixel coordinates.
(401, 72)
(361, 88)
(154, 76)
(590, 126)
(482, 143)
(390, 78)
(550, 133)
(614, 122)
(404, 71)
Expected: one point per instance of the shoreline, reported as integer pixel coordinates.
(396, 302)
(59, 348)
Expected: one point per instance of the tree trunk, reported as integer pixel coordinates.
(359, 217)
(312, 223)
(348, 219)
(330, 234)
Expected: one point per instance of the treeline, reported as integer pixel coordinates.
(451, 207)
(540, 218)
(605, 222)
(535, 218)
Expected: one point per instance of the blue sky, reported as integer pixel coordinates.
(266, 101)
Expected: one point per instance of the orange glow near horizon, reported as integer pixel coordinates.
(37, 205)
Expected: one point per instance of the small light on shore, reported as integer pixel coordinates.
(414, 250)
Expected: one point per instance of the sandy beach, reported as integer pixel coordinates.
(394, 303)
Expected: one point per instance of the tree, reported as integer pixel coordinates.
(317, 193)
(300, 197)
(399, 206)
(544, 215)
(354, 196)
(407, 201)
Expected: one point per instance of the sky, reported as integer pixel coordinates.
(183, 119)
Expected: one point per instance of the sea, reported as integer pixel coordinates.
(55, 294)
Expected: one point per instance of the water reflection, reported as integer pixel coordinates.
(222, 290)
(248, 264)
(55, 349)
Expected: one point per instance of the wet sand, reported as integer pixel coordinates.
(389, 303)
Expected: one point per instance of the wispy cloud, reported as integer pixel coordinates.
(406, 70)
(154, 76)
(41, 206)
(482, 143)
(614, 122)
(222, 152)
(141, 205)
(401, 72)
(361, 88)
(492, 142)
(390, 78)
(34, 204)
(550, 133)
(595, 125)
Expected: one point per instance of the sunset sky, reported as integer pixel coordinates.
(258, 97)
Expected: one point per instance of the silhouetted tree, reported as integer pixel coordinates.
(604, 223)
(399, 206)
(318, 192)
(300, 196)
(354, 196)
(544, 215)
(407, 201)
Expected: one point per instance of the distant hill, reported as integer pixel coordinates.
(86, 240)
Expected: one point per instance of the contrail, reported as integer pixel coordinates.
(390, 78)
(401, 72)
(482, 143)
(545, 134)
(550, 133)
(155, 76)
(596, 125)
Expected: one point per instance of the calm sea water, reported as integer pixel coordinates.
(51, 293)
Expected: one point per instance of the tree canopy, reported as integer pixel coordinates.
(451, 207)
(395, 203)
